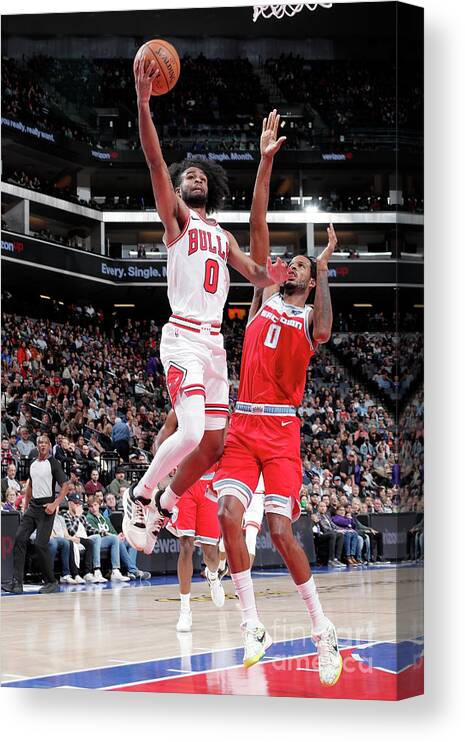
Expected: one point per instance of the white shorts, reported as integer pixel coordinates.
(195, 363)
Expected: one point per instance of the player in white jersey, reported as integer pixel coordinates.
(251, 524)
(191, 347)
(252, 520)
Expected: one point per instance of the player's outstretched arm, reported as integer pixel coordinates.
(269, 146)
(322, 309)
(259, 232)
(172, 210)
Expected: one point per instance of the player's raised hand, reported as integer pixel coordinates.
(322, 260)
(144, 74)
(269, 142)
(277, 271)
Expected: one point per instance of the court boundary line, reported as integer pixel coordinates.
(261, 662)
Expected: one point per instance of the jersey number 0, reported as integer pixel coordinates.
(272, 336)
(212, 270)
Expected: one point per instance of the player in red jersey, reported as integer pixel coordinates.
(264, 434)
(195, 522)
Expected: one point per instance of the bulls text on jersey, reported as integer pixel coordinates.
(198, 275)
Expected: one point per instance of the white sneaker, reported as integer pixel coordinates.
(329, 658)
(154, 522)
(134, 527)
(98, 576)
(216, 588)
(118, 577)
(67, 580)
(184, 623)
(89, 577)
(79, 580)
(256, 642)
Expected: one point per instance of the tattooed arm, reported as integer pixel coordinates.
(322, 310)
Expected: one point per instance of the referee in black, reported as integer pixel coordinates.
(39, 514)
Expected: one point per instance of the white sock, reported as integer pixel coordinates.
(309, 595)
(185, 602)
(244, 589)
(222, 564)
(190, 412)
(169, 499)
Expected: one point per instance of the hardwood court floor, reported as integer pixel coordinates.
(116, 626)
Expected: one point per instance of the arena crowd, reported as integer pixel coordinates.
(97, 386)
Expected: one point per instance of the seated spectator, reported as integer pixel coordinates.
(93, 485)
(64, 454)
(363, 533)
(10, 481)
(110, 505)
(325, 532)
(85, 458)
(352, 542)
(118, 482)
(84, 539)
(109, 537)
(60, 542)
(378, 506)
(74, 477)
(9, 499)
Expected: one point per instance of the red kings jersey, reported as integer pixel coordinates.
(275, 355)
(198, 275)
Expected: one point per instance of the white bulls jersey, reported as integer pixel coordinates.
(198, 275)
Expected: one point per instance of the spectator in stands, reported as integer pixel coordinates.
(75, 479)
(119, 481)
(10, 481)
(60, 542)
(109, 538)
(84, 538)
(9, 499)
(84, 457)
(110, 505)
(378, 506)
(25, 446)
(93, 485)
(348, 465)
(325, 532)
(8, 457)
(64, 454)
(352, 543)
(120, 438)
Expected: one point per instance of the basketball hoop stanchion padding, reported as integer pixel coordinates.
(279, 11)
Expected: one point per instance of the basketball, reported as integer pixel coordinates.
(167, 59)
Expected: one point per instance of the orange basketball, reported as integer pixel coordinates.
(167, 60)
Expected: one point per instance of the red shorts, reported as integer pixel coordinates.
(196, 515)
(263, 444)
